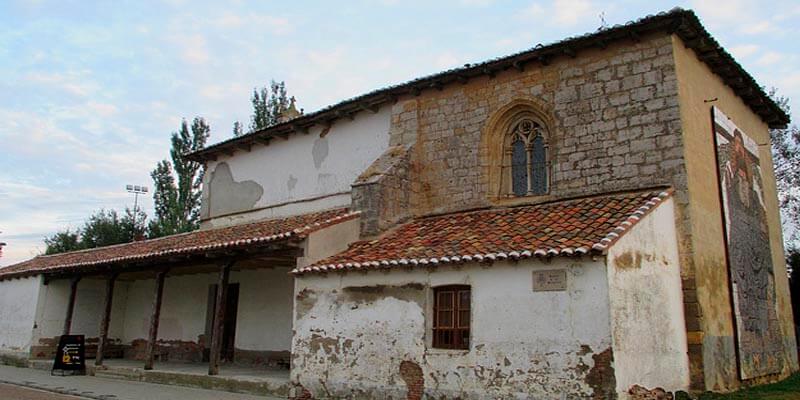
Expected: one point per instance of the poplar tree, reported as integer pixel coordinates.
(177, 184)
(268, 104)
(238, 130)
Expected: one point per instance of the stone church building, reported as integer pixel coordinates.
(570, 221)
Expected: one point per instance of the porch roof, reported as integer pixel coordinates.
(166, 249)
(560, 228)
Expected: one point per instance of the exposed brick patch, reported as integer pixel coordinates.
(167, 350)
(697, 380)
(302, 393)
(415, 381)
(601, 377)
(641, 393)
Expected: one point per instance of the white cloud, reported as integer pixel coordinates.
(744, 50)
(533, 11)
(276, 25)
(194, 48)
(478, 3)
(742, 16)
(448, 60)
(770, 58)
(759, 27)
(571, 12)
(73, 82)
(560, 12)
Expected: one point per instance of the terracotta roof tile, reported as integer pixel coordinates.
(198, 242)
(571, 227)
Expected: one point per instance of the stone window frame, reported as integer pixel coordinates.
(527, 135)
(495, 146)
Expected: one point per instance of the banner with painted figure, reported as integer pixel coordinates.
(749, 255)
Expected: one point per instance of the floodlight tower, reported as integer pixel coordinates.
(136, 190)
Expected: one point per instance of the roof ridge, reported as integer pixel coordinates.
(683, 22)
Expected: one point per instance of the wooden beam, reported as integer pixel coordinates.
(154, 317)
(300, 129)
(104, 323)
(545, 60)
(219, 318)
(73, 292)
(373, 108)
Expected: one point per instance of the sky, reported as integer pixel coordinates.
(90, 92)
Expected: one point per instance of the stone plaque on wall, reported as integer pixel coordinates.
(552, 280)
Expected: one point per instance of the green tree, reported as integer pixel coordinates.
(62, 242)
(177, 184)
(102, 228)
(238, 129)
(268, 104)
(786, 159)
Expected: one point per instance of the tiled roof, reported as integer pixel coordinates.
(683, 23)
(232, 237)
(563, 228)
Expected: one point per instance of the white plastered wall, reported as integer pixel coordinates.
(354, 330)
(646, 300)
(306, 166)
(264, 313)
(18, 298)
(89, 308)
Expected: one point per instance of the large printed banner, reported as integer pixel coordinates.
(749, 256)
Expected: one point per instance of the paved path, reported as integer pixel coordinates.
(99, 388)
(13, 392)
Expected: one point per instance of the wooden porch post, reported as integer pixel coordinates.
(219, 318)
(101, 345)
(73, 292)
(154, 316)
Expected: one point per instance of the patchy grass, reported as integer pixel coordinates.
(788, 389)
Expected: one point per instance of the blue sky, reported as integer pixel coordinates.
(90, 92)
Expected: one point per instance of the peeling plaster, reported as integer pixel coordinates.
(367, 335)
(319, 151)
(228, 196)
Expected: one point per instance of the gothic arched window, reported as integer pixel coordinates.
(527, 151)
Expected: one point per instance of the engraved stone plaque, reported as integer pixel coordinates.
(552, 280)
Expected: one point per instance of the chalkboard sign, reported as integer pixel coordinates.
(70, 355)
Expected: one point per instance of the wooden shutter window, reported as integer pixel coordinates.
(451, 317)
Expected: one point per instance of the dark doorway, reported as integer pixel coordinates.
(228, 328)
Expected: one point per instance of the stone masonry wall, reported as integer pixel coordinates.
(382, 191)
(615, 117)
